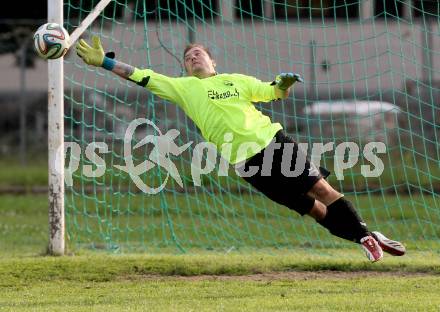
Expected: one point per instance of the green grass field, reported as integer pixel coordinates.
(334, 278)
(289, 293)
(211, 251)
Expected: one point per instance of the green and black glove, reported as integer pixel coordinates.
(285, 80)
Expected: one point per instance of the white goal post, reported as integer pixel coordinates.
(56, 127)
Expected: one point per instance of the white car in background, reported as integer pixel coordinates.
(361, 121)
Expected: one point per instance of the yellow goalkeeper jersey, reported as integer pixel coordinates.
(221, 107)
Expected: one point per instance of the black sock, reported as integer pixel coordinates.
(343, 221)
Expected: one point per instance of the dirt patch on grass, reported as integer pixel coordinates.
(276, 276)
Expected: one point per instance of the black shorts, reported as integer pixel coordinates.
(290, 191)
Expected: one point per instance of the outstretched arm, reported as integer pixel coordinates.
(123, 70)
(94, 55)
(270, 91)
(168, 88)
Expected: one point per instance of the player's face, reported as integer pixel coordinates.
(198, 63)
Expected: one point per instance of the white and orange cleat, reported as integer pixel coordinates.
(372, 249)
(392, 247)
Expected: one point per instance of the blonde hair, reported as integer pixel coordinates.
(198, 45)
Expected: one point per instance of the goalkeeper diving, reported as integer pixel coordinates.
(221, 104)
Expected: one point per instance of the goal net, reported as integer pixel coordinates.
(371, 74)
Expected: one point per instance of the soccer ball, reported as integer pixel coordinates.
(51, 41)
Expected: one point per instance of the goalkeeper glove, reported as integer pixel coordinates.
(285, 80)
(91, 55)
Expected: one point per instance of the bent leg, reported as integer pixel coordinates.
(318, 211)
(340, 217)
(324, 192)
